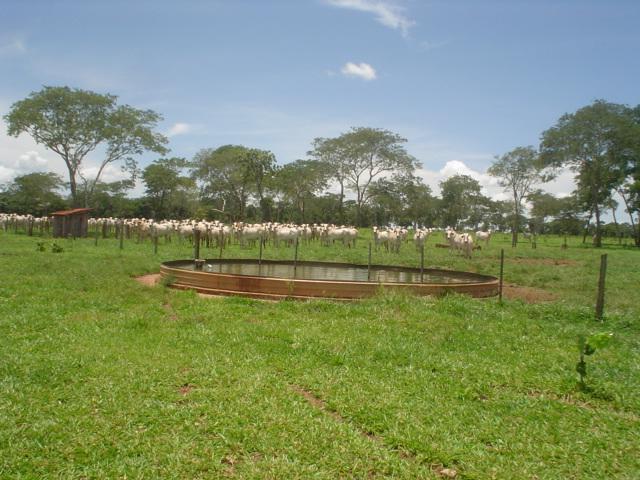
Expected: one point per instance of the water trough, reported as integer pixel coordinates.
(274, 280)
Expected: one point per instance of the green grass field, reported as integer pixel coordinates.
(101, 377)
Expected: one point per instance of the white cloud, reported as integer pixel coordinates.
(22, 155)
(361, 70)
(110, 173)
(433, 178)
(562, 186)
(387, 12)
(179, 129)
(6, 174)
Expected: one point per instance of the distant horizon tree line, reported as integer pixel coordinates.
(369, 169)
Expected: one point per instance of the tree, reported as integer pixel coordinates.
(365, 154)
(629, 188)
(517, 172)
(570, 219)
(300, 181)
(261, 165)
(73, 123)
(497, 215)
(35, 193)
(593, 142)
(461, 198)
(543, 206)
(225, 177)
(330, 152)
(110, 199)
(404, 200)
(163, 180)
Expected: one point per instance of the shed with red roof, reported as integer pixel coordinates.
(73, 223)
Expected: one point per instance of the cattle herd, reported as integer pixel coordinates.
(219, 234)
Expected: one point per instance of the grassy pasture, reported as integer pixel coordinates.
(101, 377)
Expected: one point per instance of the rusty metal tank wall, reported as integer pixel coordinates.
(258, 286)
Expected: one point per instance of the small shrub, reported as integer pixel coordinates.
(587, 346)
(41, 246)
(55, 248)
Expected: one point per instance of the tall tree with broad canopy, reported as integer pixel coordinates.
(299, 181)
(517, 172)
(73, 123)
(232, 174)
(595, 142)
(262, 166)
(403, 200)
(163, 179)
(629, 188)
(366, 154)
(330, 152)
(462, 200)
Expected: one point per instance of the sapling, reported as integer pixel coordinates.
(588, 346)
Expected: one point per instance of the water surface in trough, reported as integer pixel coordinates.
(329, 272)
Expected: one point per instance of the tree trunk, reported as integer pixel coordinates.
(264, 209)
(636, 231)
(615, 222)
(586, 227)
(73, 187)
(598, 239)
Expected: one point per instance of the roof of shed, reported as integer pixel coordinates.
(73, 211)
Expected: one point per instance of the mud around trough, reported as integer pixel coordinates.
(149, 280)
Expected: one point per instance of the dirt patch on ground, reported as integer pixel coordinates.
(149, 280)
(186, 388)
(544, 261)
(527, 294)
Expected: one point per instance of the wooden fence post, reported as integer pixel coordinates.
(422, 263)
(295, 259)
(196, 243)
(369, 264)
(501, 274)
(601, 279)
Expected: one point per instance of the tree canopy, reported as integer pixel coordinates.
(165, 186)
(462, 200)
(597, 142)
(74, 122)
(36, 193)
(362, 155)
(517, 172)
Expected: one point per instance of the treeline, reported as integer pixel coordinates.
(363, 177)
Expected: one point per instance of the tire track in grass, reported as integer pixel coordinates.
(404, 454)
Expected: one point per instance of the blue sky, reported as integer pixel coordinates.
(461, 80)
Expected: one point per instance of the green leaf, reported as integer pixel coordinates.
(599, 340)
